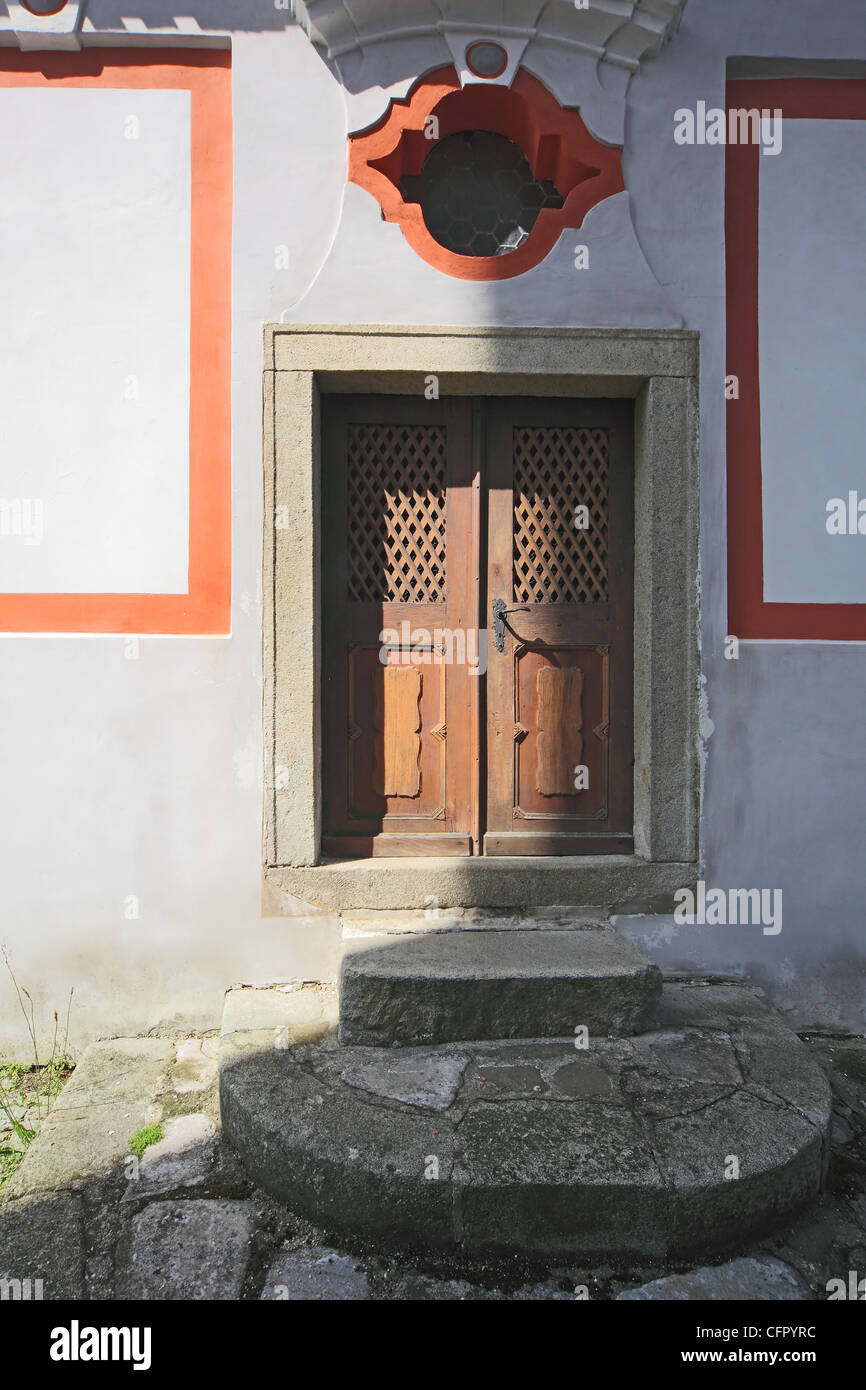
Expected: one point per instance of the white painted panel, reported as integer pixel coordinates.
(94, 318)
(813, 358)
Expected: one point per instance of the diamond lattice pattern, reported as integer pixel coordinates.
(556, 470)
(396, 513)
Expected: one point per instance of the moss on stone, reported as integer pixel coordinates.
(143, 1138)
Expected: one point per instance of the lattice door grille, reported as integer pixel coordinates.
(396, 513)
(556, 470)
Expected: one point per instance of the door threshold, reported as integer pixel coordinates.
(618, 882)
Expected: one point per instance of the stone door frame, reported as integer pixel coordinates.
(658, 369)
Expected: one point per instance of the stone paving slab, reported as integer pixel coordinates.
(289, 1013)
(188, 1250)
(429, 1079)
(748, 1279)
(42, 1238)
(416, 1287)
(109, 1097)
(316, 1274)
(195, 1069)
(182, 1158)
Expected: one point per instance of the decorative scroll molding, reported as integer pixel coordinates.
(620, 32)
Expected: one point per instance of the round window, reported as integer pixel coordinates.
(478, 194)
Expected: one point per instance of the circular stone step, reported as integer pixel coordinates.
(691, 1138)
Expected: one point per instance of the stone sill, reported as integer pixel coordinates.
(617, 883)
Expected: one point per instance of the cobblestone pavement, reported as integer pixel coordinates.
(91, 1220)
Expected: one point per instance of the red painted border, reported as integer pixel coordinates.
(554, 139)
(44, 14)
(206, 608)
(748, 614)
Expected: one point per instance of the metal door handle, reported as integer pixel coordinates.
(499, 612)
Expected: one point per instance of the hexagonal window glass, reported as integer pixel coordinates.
(478, 194)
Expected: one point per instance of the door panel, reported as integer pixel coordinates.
(400, 719)
(559, 694)
(422, 754)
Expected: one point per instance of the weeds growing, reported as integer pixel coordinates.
(29, 1089)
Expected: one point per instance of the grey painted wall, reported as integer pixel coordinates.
(786, 760)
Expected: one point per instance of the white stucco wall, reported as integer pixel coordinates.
(142, 777)
(95, 288)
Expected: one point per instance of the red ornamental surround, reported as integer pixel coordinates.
(554, 139)
(44, 11)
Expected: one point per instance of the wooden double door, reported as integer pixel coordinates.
(477, 626)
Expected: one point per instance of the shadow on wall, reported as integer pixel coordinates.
(243, 16)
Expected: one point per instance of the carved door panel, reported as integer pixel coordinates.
(433, 511)
(559, 693)
(400, 586)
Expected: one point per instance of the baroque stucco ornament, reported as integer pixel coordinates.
(622, 32)
(585, 56)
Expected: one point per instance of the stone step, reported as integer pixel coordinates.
(688, 1140)
(448, 986)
